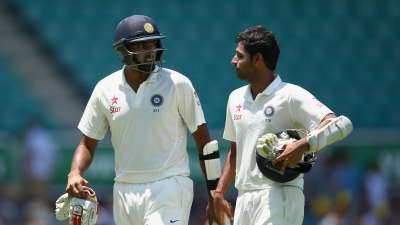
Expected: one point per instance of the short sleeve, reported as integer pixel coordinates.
(189, 105)
(305, 109)
(229, 130)
(94, 122)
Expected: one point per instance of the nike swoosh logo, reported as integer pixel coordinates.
(173, 221)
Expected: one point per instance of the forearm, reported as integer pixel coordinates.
(208, 157)
(228, 173)
(331, 129)
(83, 155)
(201, 138)
(81, 160)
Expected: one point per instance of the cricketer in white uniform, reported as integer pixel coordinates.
(148, 110)
(266, 105)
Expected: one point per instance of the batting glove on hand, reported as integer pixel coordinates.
(267, 146)
(79, 211)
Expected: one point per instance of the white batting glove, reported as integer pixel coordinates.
(267, 146)
(78, 211)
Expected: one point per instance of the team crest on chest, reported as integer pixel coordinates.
(269, 112)
(157, 100)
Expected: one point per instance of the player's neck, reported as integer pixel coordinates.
(261, 83)
(134, 78)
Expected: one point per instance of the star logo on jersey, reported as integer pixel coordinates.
(113, 108)
(114, 101)
(238, 115)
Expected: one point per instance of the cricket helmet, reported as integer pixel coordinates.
(132, 29)
(273, 172)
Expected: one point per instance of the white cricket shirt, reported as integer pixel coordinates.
(148, 128)
(279, 107)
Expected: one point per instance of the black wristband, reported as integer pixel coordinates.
(214, 155)
(212, 184)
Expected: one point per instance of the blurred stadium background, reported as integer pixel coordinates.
(52, 53)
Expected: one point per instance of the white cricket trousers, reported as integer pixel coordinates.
(162, 202)
(277, 205)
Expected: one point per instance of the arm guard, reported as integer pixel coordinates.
(212, 164)
(334, 131)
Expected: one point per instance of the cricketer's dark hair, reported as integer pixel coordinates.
(258, 39)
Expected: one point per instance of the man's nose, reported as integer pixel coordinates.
(150, 55)
(234, 60)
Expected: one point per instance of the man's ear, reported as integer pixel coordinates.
(258, 59)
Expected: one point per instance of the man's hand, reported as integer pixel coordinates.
(76, 184)
(83, 211)
(210, 211)
(292, 153)
(222, 208)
